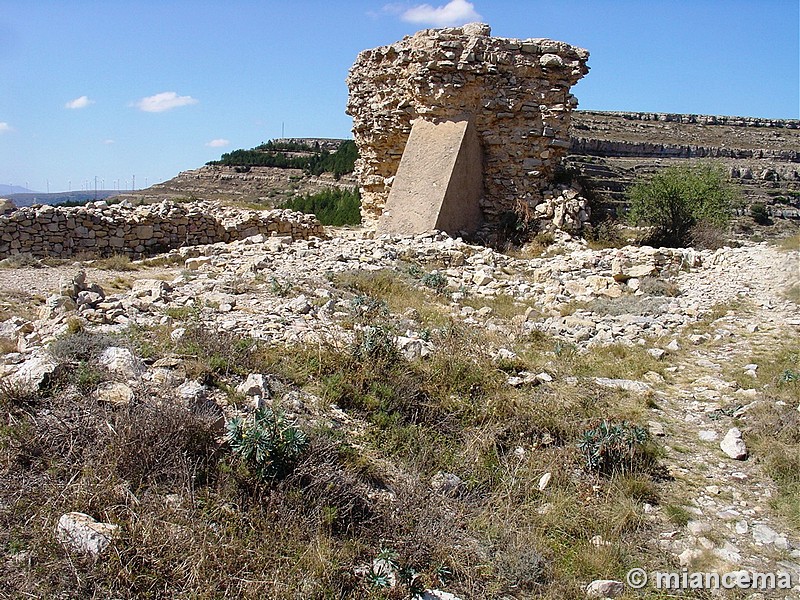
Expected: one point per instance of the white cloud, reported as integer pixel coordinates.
(5, 127)
(109, 142)
(164, 101)
(218, 143)
(81, 102)
(455, 12)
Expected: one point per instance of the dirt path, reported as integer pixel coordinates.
(715, 387)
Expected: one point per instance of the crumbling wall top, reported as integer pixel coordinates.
(515, 91)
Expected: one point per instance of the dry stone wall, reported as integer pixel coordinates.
(137, 231)
(515, 91)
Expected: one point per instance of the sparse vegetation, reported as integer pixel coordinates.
(116, 262)
(759, 214)
(678, 199)
(266, 443)
(294, 156)
(333, 206)
(616, 448)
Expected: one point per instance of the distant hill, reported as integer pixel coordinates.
(30, 198)
(266, 176)
(6, 190)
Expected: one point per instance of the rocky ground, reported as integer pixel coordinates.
(710, 326)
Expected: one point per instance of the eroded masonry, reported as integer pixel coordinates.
(497, 106)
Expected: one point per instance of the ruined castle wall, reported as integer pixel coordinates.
(142, 230)
(515, 91)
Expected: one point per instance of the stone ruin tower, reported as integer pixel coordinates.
(455, 127)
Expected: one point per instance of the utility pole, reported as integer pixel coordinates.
(133, 184)
(95, 188)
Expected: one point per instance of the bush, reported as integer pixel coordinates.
(332, 206)
(758, 212)
(266, 442)
(675, 200)
(616, 448)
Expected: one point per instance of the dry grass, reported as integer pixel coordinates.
(195, 524)
(116, 262)
(398, 292)
(791, 242)
(15, 303)
(775, 425)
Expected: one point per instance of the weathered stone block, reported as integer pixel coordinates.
(439, 181)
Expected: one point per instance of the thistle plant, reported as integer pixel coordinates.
(266, 442)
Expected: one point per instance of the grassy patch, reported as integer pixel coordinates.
(397, 291)
(775, 426)
(199, 518)
(791, 242)
(116, 262)
(16, 303)
(617, 361)
(792, 293)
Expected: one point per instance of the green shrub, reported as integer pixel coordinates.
(675, 200)
(758, 212)
(266, 442)
(312, 159)
(615, 448)
(332, 206)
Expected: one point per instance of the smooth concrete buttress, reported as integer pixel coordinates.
(439, 181)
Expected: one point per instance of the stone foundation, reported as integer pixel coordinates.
(100, 229)
(515, 92)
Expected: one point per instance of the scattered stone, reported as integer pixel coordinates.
(605, 588)
(447, 484)
(256, 387)
(708, 435)
(82, 533)
(192, 394)
(741, 527)
(120, 361)
(763, 534)
(438, 595)
(598, 542)
(624, 384)
(544, 481)
(35, 372)
(689, 556)
(116, 393)
(698, 528)
(733, 445)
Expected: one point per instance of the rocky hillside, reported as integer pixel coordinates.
(263, 186)
(609, 149)
(763, 156)
(404, 417)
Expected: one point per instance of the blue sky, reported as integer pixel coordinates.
(113, 89)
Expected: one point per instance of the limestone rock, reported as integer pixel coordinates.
(82, 533)
(624, 384)
(35, 372)
(115, 393)
(447, 484)
(733, 445)
(438, 595)
(605, 588)
(151, 290)
(515, 94)
(256, 387)
(544, 481)
(120, 361)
